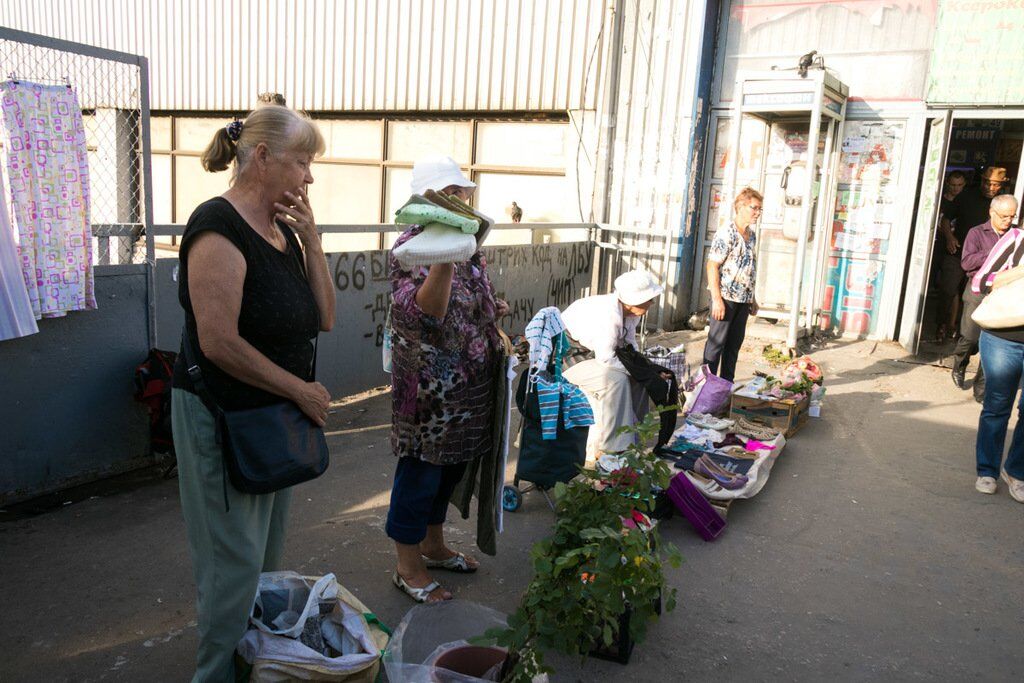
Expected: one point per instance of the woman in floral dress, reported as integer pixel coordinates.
(444, 354)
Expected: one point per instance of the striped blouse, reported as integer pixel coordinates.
(1007, 253)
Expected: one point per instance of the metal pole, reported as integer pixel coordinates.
(147, 184)
(822, 226)
(805, 219)
(612, 104)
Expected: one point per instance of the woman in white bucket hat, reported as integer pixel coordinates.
(444, 356)
(602, 324)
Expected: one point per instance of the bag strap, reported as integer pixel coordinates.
(196, 375)
(203, 392)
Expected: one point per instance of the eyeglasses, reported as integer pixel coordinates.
(993, 183)
(755, 209)
(1005, 217)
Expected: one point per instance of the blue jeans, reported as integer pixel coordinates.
(1003, 362)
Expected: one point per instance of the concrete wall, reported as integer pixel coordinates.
(66, 406)
(529, 277)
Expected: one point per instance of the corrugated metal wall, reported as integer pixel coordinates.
(649, 169)
(345, 55)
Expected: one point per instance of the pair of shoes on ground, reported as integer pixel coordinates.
(988, 485)
(711, 489)
(708, 421)
(707, 467)
(457, 563)
(754, 430)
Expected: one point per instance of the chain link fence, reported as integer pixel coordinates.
(110, 90)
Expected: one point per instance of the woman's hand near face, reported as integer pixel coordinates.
(299, 217)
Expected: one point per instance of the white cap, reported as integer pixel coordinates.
(437, 173)
(637, 287)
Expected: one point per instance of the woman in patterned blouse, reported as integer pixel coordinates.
(444, 356)
(732, 274)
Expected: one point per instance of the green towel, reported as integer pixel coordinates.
(416, 213)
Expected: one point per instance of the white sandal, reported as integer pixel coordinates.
(418, 594)
(456, 563)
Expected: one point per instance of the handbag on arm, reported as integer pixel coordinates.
(265, 449)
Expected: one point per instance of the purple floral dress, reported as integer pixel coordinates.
(442, 375)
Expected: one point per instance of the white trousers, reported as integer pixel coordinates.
(617, 399)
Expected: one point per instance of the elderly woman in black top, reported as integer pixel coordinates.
(256, 290)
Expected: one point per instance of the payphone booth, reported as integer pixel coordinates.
(797, 115)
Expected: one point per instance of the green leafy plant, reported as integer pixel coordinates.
(603, 558)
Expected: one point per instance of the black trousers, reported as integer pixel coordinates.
(725, 337)
(970, 333)
(663, 392)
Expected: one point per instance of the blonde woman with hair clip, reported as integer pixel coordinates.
(256, 292)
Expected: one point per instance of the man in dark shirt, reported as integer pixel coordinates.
(976, 246)
(969, 209)
(955, 183)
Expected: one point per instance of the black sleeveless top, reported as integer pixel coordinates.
(279, 315)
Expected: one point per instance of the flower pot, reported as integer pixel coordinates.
(468, 660)
(621, 650)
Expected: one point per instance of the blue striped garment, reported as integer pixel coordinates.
(577, 412)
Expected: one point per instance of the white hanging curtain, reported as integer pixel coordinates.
(48, 170)
(16, 316)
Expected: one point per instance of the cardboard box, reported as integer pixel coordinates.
(783, 415)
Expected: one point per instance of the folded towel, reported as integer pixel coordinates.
(416, 213)
(453, 203)
(437, 243)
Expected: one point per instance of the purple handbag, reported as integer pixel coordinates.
(713, 392)
(695, 507)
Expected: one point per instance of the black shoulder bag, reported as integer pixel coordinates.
(265, 449)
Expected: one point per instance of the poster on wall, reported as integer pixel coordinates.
(853, 295)
(976, 55)
(870, 151)
(751, 149)
(868, 199)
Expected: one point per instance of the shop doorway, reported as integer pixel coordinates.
(965, 143)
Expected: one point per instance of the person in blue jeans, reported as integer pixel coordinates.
(1002, 358)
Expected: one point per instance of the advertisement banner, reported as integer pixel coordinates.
(977, 56)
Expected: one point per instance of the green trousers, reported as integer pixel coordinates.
(229, 548)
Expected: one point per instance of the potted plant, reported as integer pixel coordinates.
(599, 577)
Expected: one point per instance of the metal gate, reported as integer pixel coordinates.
(113, 91)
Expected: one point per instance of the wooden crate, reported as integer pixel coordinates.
(784, 415)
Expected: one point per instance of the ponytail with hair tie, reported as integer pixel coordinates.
(234, 130)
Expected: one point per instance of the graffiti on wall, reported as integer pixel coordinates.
(529, 277)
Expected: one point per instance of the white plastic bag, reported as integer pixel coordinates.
(428, 630)
(286, 604)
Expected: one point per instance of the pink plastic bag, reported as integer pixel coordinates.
(712, 392)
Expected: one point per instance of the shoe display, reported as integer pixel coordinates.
(958, 378)
(986, 485)
(1015, 485)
